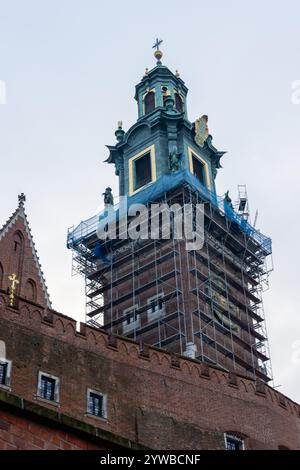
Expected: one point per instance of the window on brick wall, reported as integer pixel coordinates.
(96, 404)
(133, 319)
(233, 442)
(5, 372)
(30, 290)
(48, 387)
(156, 307)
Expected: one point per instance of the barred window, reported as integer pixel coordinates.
(96, 404)
(3, 373)
(233, 442)
(48, 387)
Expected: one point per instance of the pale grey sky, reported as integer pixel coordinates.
(70, 68)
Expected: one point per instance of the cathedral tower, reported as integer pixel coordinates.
(205, 302)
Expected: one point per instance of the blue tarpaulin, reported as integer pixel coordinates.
(154, 191)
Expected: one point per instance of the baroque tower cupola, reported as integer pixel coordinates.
(163, 140)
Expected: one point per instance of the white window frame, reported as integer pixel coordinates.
(235, 437)
(159, 312)
(104, 404)
(7, 383)
(127, 327)
(56, 387)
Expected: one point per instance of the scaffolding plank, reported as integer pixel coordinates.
(127, 277)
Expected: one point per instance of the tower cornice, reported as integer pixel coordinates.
(160, 72)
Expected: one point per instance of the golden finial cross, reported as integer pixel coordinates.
(14, 283)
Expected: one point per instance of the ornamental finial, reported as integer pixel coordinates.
(158, 54)
(21, 199)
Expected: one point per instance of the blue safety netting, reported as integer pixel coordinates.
(154, 191)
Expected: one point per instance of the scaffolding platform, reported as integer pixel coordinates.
(157, 292)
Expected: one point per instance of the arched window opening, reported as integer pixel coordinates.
(149, 102)
(30, 290)
(178, 103)
(17, 243)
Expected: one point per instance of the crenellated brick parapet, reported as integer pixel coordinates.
(150, 391)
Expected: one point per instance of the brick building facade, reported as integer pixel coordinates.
(153, 398)
(173, 354)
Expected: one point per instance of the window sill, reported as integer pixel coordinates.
(99, 418)
(5, 387)
(131, 327)
(49, 402)
(154, 316)
(135, 191)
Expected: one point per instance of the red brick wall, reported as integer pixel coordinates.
(18, 433)
(151, 401)
(17, 256)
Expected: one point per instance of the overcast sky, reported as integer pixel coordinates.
(70, 68)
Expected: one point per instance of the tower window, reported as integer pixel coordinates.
(178, 103)
(133, 319)
(149, 102)
(5, 372)
(233, 442)
(165, 93)
(156, 307)
(142, 171)
(96, 404)
(198, 169)
(48, 387)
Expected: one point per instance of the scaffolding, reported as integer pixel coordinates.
(206, 304)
